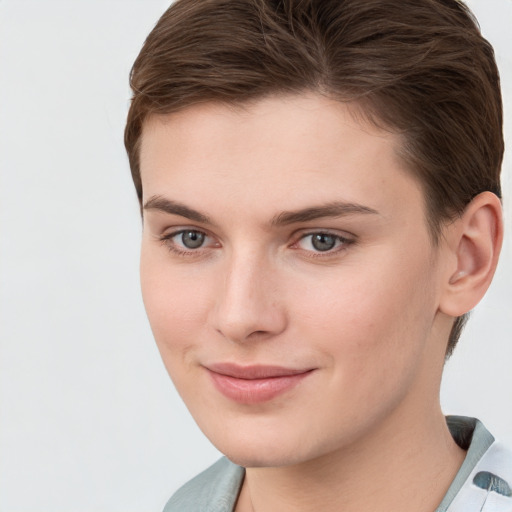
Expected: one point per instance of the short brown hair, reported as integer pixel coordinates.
(420, 68)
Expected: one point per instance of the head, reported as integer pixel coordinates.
(262, 134)
(421, 70)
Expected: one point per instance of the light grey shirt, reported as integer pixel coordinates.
(482, 484)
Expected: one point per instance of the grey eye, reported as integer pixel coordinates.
(192, 239)
(323, 241)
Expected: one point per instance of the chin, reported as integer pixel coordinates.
(257, 459)
(258, 450)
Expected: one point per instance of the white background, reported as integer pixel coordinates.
(89, 420)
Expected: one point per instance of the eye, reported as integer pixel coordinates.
(322, 242)
(187, 241)
(190, 239)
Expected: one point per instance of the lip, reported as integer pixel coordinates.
(256, 383)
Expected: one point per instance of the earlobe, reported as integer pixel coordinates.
(476, 242)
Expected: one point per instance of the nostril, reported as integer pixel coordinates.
(258, 333)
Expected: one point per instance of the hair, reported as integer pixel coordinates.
(419, 68)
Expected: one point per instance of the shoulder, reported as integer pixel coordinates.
(214, 490)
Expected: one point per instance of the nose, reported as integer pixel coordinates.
(249, 305)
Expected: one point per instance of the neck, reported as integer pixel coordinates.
(407, 464)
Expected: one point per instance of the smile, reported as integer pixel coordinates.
(254, 384)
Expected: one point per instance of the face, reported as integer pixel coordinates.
(288, 276)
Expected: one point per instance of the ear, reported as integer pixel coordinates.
(474, 241)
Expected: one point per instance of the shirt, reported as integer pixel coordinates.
(482, 484)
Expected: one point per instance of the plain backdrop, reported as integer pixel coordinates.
(89, 421)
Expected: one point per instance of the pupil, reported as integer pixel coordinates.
(192, 239)
(322, 242)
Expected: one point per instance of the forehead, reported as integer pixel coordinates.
(280, 152)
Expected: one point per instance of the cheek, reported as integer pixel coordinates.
(176, 305)
(371, 329)
(371, 316)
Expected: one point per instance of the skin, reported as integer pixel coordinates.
(370, 318)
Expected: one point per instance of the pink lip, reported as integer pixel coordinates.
(254, 384)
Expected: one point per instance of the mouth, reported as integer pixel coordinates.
(254, 384)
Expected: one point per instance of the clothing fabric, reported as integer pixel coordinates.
(482, 484)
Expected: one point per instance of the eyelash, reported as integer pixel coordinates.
(167, 241)
(343, 243)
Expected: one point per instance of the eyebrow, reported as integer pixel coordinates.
(333, 209)
(175, 208)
